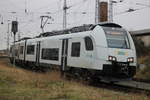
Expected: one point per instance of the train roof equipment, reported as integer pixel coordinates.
(86, 27)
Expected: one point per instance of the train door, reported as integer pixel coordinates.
(64, 54)
(38, 46)
(76, 52)
(25, 48)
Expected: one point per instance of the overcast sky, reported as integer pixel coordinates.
(29, 23)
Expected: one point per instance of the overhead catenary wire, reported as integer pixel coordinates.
(28, 23)
(85, 11)
(46, 12)
(45, 6)
(76, 4)
(72, 7)
(13, 4)
(130, 10)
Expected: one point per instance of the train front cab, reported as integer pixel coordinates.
(115, 52)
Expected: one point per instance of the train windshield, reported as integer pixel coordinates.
(117, 38)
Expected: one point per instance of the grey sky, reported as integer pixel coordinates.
(29, 23)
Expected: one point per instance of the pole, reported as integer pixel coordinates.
(97, 16)
(8, 39)
(14, 29)
(65, 15)
(64, 27)
(14, 55)
(110, 12)
(19, 36)
(42, 24)
(26, 6)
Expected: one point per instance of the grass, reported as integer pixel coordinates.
(20, 84)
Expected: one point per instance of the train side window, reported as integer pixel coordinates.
(21, 49)
(75, 49)
(50, 54)
(88, 43)
(30, 49)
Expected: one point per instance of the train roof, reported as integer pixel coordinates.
(86, 27)
(78, 29)
(106, 24)
(62, 36)
(83, 28)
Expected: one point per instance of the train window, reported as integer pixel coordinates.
(88, 43)
(50, 54)
(21, 49)
(75, 49)
(117, 38)
(30, 49)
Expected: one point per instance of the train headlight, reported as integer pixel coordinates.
(131, 60)
(111, 58)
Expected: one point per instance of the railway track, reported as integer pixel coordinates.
(141, 80)
(135, 84)
(129, 86)
(125, 86)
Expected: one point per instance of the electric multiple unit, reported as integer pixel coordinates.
(105, 50)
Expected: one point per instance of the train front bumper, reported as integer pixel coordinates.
(119, 70)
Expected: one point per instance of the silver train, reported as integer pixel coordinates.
(104, 50)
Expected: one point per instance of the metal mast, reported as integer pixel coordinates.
(26, 6)
(65, 15)
(110, 12)
(97, 14)
(8, 36)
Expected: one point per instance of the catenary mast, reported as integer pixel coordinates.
(97, 11)
(65, 15)
(110, 12)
